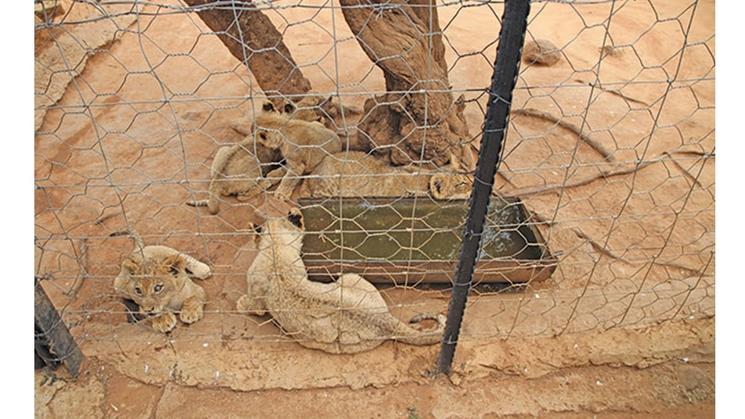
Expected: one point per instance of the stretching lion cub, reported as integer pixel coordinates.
(157, 278)
(354, 174)
(347, 316)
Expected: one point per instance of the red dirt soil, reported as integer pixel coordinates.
(624, 327)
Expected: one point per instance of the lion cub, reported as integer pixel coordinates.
(238, 170)
(355, 174)
(158, 280)
(311, 108)
(302, 144)
(347, 316)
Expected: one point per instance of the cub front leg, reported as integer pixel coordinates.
(192, 310)
(289, 181)
(249, 194)
(164, 322)
(273, 177)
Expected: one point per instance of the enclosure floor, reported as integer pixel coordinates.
(582, 376)
(634, 241)
(634, 248)
(484, 398)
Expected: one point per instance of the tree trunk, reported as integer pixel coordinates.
(252, 38)
(417, 119)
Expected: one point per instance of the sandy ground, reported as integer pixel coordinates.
(133, 135)
(664, 371)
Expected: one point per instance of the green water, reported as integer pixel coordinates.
(408, 229)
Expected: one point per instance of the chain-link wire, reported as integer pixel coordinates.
(603, 209)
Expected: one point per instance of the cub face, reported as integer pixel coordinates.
(295, 218)
(310, 109)
(268, 127)
(152, 283)
(446, 186)
(272, 139)
(288, 229)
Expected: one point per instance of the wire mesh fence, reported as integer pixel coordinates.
(201, 126)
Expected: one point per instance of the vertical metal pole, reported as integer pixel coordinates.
(53, 343)
(506, 66)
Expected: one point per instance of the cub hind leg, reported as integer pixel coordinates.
(251, 305)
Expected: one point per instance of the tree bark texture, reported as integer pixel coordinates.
(417, 119)
(251, 37)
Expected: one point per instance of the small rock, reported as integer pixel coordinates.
(455, 378)
(691, 377)
(541, 52)
(611, 51)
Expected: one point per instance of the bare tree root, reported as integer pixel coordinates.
(683, 170)
(596, 246)
(82, 272)
(506, 179)
(535, 113)
(602, 175)
(605, 252)
(617, 93)
(101, 220)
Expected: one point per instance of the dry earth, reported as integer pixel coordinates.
(131, 137)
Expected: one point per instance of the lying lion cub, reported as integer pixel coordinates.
(238, 170)
(355, 174)
(347, 316)
(157, 278)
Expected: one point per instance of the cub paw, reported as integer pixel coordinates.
(248, 305)
(191, 314)
(164, 323)
(243, 305)
(284, 193)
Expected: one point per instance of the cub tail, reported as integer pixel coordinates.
(414, 336)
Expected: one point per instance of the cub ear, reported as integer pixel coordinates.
(270, 140)
(175, 264)
(262, 138)
(130, 265)
(296, 217)
(268, 107)
(460, 104)
(257, 228)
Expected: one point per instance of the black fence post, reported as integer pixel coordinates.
(506, 66)
(53, 343)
